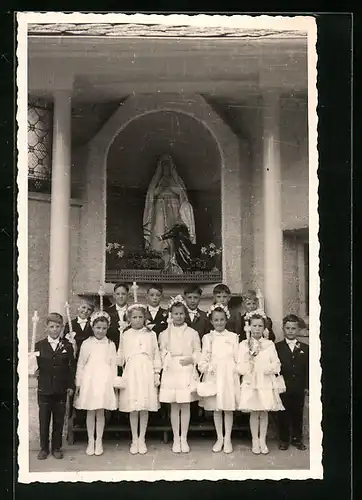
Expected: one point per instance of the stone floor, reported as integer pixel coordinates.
(160, 457)
(116, 457)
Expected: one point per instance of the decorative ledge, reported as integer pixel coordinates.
(159, 276)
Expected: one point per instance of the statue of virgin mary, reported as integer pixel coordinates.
(166, 205)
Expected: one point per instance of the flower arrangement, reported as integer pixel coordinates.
(209, 258)
(120, 258)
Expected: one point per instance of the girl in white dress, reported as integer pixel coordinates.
(96, 371)
(138, 353)
(180, 352)
(258, 363)
(219, 365)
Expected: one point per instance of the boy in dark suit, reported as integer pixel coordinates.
(56, 371)
(81, 324)
(222, 295)
(251, 303)
(118, 312)
(156, 316)
(294, 359)
(195, 317)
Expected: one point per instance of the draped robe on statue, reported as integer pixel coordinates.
(166, 205)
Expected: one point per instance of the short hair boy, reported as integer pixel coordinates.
(80, 325)
(156, 316)
(195, 317)
(118, 311)
(56, 371)
(294, 359)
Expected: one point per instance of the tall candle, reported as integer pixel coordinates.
(134, 288)
(101, 295)
(67, 310)
(35, 320)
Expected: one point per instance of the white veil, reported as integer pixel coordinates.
(186, 211)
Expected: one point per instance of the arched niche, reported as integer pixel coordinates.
(93, 221)
(131, 164)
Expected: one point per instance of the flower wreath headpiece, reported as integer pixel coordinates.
(256, 312)
(219, 306)
(249, 316)
(175, 300)
(100, 314)
(136, 306)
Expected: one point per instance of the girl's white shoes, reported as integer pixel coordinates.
(134, 448)
(263, 448)
(185, 448)
(256, 447)
(176, 447)
(90, 448)
(142, 448)
(228, 447)
(98, 450)
(218, 445)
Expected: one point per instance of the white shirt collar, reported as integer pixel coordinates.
(53, 342)
(291, 342)
(81, 320)
(153, 309)
(123, 308)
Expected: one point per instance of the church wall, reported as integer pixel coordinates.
(38, 255)
(294, 162)
(294, 170)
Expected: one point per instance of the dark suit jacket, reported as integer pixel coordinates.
(234, 323)
(113, 330)
(200, 322)
(56, 369)
(294, 366)
(80, 335)
(269, 325)
(160, 320)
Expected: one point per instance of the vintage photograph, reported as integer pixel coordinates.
(168, 248)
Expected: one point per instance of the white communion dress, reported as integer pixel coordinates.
(178, 383)
(139, 354)
(259, 389)
(95, 375)
(219, 364)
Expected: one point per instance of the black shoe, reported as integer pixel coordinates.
(43, 454)
(283, 446)
(58, 454)
(298, 444)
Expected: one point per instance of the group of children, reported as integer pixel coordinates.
(132, 358)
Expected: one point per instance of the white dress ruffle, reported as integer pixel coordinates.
(177, 382)
(95, 375)
(139, 354)
(219, 364)
(259, 389)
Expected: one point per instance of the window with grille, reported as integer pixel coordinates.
(39, 147)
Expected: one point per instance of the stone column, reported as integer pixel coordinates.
(60, 203)
(273, 234)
